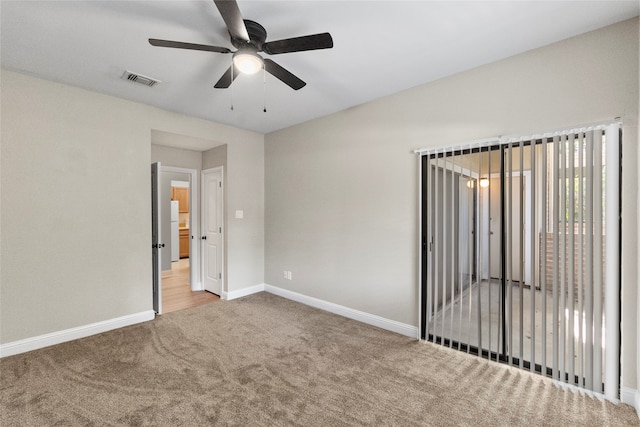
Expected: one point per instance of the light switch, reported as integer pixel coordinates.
(239, 214)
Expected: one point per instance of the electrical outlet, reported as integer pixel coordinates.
(289, 275)
(286, 275)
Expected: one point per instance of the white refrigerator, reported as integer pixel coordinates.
(175, 236)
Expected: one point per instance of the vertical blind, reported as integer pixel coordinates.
(520, 252)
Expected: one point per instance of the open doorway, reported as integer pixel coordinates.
(180, 284)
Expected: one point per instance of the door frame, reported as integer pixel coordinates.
(156, 254)
(223, 270)
(194, 224)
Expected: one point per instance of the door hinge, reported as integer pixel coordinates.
(219, 229)
(219, 275)
(220, 184)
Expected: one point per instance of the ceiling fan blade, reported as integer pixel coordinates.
(192, 46)
(233, 18)
(282, 74)
(227, 78)
(299, 44)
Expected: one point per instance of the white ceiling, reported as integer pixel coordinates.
(380, 48)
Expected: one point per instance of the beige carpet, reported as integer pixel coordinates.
(266, 361)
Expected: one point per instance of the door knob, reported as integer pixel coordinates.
(204, 237)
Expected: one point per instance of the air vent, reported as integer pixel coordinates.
(139, 78)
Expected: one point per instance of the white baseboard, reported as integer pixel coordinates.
(631, 396)
(46, 340)
(361, 316)
(243, 292)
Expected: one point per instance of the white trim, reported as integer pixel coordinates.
(180, 184)
(53, 338)
(484, 142)
(194, 230)
(612, 263)
(242, 292)
(508, 139)
(631, 396)
(156, 222)
(174, 169)
(361, 316)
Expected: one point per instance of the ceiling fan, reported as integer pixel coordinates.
(249, 38)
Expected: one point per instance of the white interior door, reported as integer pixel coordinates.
(156, 238)
(213, 227)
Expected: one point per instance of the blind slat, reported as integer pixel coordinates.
(597, 254)
(588, 286)
(509, 228)
(571, 258)
(521, 228)
(445, 241)
(556, 253)
(429, 249)
(532, 259)
(436, 249)
(543, 256)
(581, 206)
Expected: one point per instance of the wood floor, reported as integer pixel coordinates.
(176, 290)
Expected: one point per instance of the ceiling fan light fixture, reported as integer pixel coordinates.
(247, 62)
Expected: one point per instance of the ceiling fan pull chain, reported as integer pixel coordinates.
(232, 69)
(264, 82)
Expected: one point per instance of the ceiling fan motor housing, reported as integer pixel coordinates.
(257, 36)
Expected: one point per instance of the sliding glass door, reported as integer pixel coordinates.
(513, 265)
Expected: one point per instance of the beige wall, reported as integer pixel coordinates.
(175, 157)
(72, 162)
(341, 191)
(215, 157)
(245, 236)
